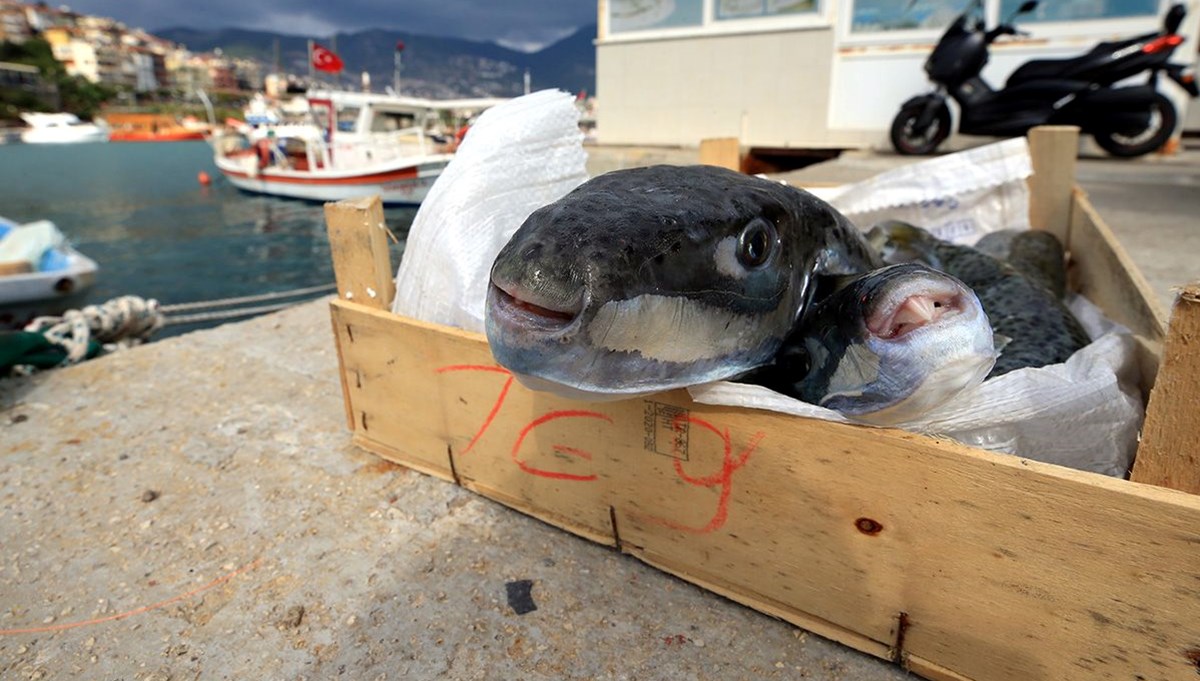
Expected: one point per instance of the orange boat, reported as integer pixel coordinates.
(153, 128)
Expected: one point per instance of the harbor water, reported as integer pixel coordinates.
(140, 212)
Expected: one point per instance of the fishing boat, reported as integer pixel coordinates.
(126, 127)
(60, 128)
(351, 144)
(39, 271)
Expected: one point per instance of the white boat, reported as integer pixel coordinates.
(38, 266)
(60, 128)
(352, 144)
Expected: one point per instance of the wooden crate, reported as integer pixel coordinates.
(953, 562)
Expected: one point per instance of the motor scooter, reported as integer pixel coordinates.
(1126, 121)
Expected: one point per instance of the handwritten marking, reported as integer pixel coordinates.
(546, 418)
(136, 611)
(573, 451)
(487, 421)
(724, 478)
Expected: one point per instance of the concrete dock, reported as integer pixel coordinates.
(192, 509)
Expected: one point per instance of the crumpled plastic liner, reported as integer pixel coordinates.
(1084, 413)
(958, 197)
(518, 156)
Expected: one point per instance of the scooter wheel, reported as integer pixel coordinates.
(909, 141)
(1163, 119)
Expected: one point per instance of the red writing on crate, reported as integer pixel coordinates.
(723, 478)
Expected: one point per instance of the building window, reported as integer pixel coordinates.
(872, 16)
(641, 15)
(742, 9)
(1075, 10)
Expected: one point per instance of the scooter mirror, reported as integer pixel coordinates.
(1174, 18)
(1027, 6)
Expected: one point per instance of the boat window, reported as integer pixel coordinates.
(320, 115)
(347, 118)
(1075, 10)
(870, 16)
(389, 121)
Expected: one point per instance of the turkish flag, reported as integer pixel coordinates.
(324, 59)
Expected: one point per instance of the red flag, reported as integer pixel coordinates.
(325, 60)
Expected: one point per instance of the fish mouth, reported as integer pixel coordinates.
(903, 314)
(515, 307)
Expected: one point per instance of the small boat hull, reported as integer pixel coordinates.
(401, 185)
(83, 134)
(36, 288)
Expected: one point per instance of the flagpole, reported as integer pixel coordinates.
(311, 72)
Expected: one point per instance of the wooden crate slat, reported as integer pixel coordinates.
(1169, 454)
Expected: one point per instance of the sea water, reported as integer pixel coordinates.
(139, 211)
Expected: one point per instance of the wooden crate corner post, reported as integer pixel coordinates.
(359, 247)
(1169, 455)
(361, 267)
(724, 152)
(1053, 150)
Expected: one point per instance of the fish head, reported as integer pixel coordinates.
(900, 242)
(911, 338)
(649, 279)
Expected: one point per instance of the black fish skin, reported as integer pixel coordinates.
(1040, 329)
(655, 231)
(1037, 254)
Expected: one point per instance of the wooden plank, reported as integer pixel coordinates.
(1103, 272)
(725, 152)
(1003, 568)
(408, 417)
(1169, 455)
(1052, 151)
(359, 247)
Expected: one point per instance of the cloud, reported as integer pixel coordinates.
(516, 22)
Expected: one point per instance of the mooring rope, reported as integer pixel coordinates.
(130, 320)
(225, 302)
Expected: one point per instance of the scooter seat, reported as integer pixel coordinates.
(1039, 69)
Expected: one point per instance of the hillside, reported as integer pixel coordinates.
(433, 66)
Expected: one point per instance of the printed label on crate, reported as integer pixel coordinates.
(666, 429)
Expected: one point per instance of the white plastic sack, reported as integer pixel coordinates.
(958, 197)
(518, 157)
(1084, 413)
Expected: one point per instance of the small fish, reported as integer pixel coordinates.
(886, 348)
(1037, 254)
(1040, 329)
(654, 278)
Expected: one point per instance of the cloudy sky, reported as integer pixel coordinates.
(522, 24)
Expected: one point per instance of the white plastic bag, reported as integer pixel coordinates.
(518, 157)
(958, 197)
(1084, 413)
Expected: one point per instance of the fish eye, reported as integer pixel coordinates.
(756, 243)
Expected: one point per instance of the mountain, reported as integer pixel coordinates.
(432, 66)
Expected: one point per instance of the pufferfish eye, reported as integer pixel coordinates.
(757, 242)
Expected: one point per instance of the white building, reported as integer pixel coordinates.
(815, 73)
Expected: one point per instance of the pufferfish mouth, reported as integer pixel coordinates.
(909, 313)
(517, 308)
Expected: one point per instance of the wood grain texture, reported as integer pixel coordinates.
(1169, 454)
(1004, 568)
(725, 152)
(359, 247)
(1052, 150)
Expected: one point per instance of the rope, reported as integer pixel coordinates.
(223, 314)
(120, 322)
(183, 307)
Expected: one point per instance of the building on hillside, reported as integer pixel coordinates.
(14, 26)
(814, 73)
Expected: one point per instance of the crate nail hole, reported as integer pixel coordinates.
(868, 526)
